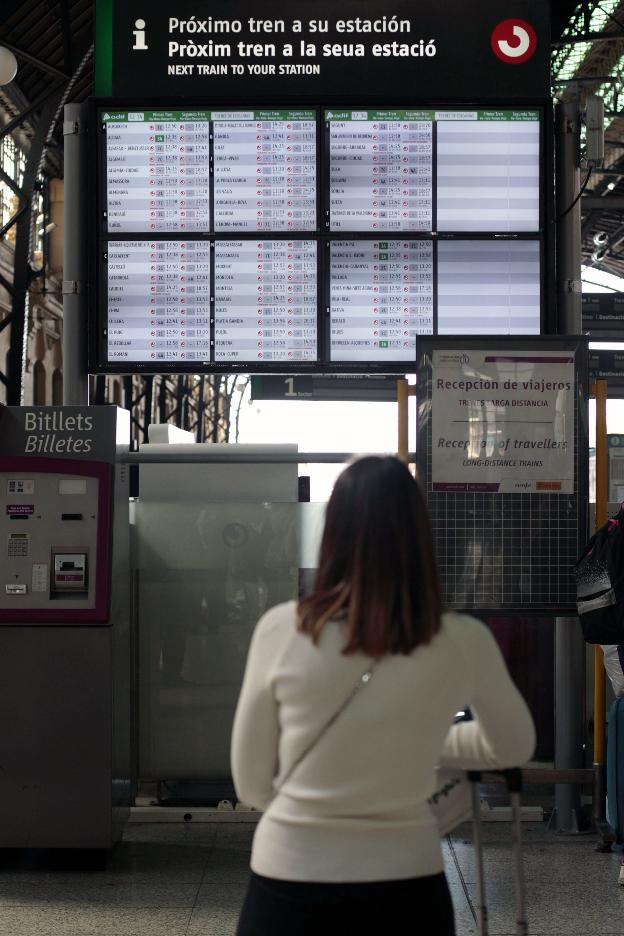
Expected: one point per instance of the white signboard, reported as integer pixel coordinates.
(503, 422)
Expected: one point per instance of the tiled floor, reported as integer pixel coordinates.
(188, 880)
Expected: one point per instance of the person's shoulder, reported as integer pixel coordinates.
(465, 629)
(280, 618)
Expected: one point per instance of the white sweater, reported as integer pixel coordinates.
(355, 809)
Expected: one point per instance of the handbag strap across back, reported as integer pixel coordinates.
(362, 681)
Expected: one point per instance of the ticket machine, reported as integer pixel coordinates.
(65, 640)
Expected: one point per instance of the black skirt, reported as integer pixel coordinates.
(415, 907)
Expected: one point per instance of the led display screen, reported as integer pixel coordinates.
(488, 287)
(248, 300)
(312, 237)
(158, 306)
(156, 172)
(381, 298)
(383, 294)
(265, 301)
(444, 170)
(265, 171)
(202, 171)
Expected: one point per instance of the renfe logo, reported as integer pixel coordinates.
(514, 41)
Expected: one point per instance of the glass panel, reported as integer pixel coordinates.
(311, 524)
(204, 574)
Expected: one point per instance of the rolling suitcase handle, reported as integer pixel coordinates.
(513, 779)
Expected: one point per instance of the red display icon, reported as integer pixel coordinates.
(514, 41)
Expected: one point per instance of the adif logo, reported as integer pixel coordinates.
(514, 41)
(454, 357)
(139, 36)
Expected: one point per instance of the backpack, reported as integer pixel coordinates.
(600, 584)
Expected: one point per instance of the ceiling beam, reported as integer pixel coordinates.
(33, 60)
(21, 117)
(66, 27)
(588, 37)
(602, 203)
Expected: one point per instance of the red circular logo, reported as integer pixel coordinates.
(514, 41)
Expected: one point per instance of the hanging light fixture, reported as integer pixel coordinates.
(8, 65)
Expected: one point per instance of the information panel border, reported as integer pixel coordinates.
(515, 530)
(98, 362)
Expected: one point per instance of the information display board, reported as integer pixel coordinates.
(603, 316)
(433, 170)
(180, 300)
(488, 287)
(313, 238)
(265, 171)
(158, 300)
(156, 171)
(380, 171)
(383, 294)
(192, 171)
(381, 298)
(265, 301)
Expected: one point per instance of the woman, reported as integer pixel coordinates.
(347, 842)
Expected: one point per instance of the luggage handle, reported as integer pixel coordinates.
(513, 780)
(512, 777)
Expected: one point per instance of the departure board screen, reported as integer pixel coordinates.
(433, 170)
(265, 171)
(157, 171)
(266, 300)
(285, 237)
(487, 287)
(192, 171)
(248, 300)
(158, 306)
(488, 171)
(380, 171)
(381, 298)
(383, 294)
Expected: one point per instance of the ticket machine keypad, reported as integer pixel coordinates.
(49, 537)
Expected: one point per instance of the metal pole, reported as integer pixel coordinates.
(569, 682)
(567, 124)
(602, 498)
(569, 646)
(403, 426)
(148, 406)
(200, 409)
(22, 275)
(75, 376)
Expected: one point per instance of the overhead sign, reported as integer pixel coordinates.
(603, 315)
(608, 365)
(322, 50)
(369, 388)
(503, 422)
(502, 453)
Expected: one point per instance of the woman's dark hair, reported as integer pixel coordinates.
(377, 563)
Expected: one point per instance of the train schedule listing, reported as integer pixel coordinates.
(158, 301)
(265, 171)
(381, 171)
(157, 171)
(381, 298)
(265, 300)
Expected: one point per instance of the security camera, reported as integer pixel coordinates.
(599, 254)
